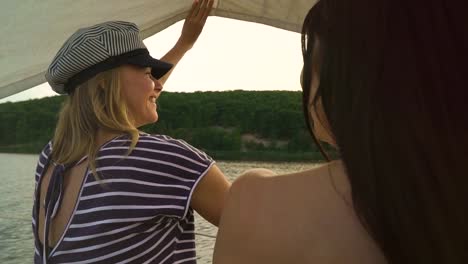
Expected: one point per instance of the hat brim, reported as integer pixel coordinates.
(139, 57)
(158, 68)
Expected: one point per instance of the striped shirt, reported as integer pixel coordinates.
(139, 212)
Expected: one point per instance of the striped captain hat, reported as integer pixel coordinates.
(99, 48)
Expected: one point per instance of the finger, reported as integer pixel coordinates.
(207, 10)
(194, 9)
(203, 7)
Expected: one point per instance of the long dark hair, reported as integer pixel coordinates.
(394, 85)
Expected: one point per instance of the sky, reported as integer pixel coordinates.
(229, 55)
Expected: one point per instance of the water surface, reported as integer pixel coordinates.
(16, 197)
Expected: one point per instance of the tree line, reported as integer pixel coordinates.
(231, 125)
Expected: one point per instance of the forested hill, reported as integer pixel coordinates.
(240, 125)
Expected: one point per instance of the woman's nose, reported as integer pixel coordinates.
(157, 85)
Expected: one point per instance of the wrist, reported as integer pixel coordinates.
(183, 46)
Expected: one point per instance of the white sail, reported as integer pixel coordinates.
(32, 31)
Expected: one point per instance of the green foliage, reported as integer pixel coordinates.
(216, 122)
(28, 126)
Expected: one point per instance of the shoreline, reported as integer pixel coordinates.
(234, 156)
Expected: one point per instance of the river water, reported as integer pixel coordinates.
(16, 194)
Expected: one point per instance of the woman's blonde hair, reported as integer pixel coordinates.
(93, 105)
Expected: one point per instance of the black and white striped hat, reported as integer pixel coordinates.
(99, 48)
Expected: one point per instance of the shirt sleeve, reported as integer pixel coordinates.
(177, 166)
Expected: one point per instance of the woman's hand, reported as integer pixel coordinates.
(193, 26)
(194, 23)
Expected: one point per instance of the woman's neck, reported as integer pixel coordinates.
(104, 136)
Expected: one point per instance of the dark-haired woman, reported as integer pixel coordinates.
(385, 82)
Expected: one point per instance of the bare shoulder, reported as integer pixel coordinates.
(238, 240)
(303, 217)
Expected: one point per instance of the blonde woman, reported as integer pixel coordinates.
(106, 192)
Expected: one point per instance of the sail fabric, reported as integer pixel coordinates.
(32, 31)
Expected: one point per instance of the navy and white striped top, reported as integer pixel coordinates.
(139, 212)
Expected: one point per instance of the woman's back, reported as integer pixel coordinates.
(305, 217)
(139, 209)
